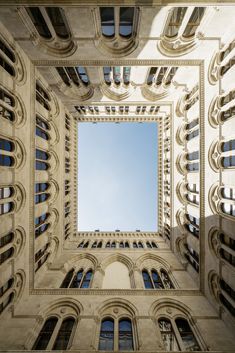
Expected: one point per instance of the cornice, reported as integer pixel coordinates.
(120, 292)
(112, 62)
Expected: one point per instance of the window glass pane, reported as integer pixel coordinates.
(56, 16)
(126, 21)
(106, 341)
(125, 335)
(39, 22)
(175, 22)
(45, 334)
(147, 281)
(64, 334)
(107, 21)
(187, 335)
(168, 335)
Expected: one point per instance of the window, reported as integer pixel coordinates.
(9, 298)
(227, 296)
(7, 64)
(61, 331)
(192, 166)
(41, 257)
(156, 279)
(177, 335)
(41, 157)
(80, 279)
(40, 194)
(117, 75)
(194, 22)
(55, 15)
(119, 24)
(226, 67)
(175, 22)
(7, 103)
(192, 256)
(41, 224)
(6, 158)
(6, 255)
(193, 225)
(7, 205)
(42, 97)
(64, 334)
(6, 239)
(77, 75)
(116, 334)
(42, 128)
(193, 193)
(227, 248)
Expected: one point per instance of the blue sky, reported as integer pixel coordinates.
(117, 176)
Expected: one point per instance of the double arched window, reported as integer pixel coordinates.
(42, 128)
(223, 245)
(116, 335)
(6, 247)
(192, 256)
(77, 279)
(177, 335)
(6, 200)
(41, 192)
(41, 224)
(7, 58)
(42, 160)
(55, 334)
(192, 225)
(6, 294)
(7, 105)
(42, 96)
(192, 194)
(156, 279)
(117, 22)
(41, 256)
(7, 148)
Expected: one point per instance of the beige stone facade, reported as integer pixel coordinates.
(176, 67)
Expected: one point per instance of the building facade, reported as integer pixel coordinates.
(62, 65)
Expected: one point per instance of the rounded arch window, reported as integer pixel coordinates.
(78, 279)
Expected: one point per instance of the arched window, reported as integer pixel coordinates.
(106, 341)
(55, 15)
(192, 166)
(113, 245)
(192, 129)
(7, 58)
(99, 244)
(114, 23)
(80, 279)
(194, 22)
(9, 298)
(6, 201)
(42, 97)
(41, 157)
(125, 341)
(7, 254)
(117, 75)
(121, 244)
(40, 194)
(156, 279)
(41, 224)
(148, 245)
(175, 22)
(140, 245)
(64, 334)
(94, 245)
(177, 335)
(192, 256)
(45, 334)
(193, 225)
(76, 75)
(193, 193)
(41, 256)
(168, 335)
(6, 239)
(42, 128)
(161, 76)
(6, 157)
(7, 104)
(227, 296)
(116, 335)
(154, 245)
(108, 244)
(127, 244)
(227, 250)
